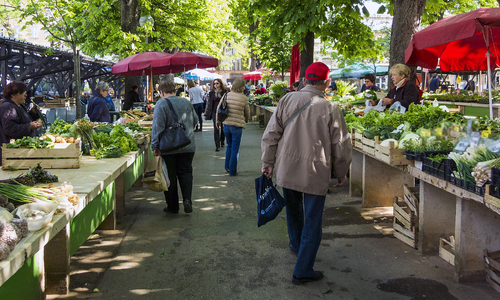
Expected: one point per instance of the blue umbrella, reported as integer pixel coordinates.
(199, 74)
(358, 70)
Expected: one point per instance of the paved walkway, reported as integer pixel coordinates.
(217, 252)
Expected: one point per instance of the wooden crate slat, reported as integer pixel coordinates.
(65, 150)
(404, 231)
(492, 283)
(403, 212)
(402, 220)
(405, 239)
(67, 163)
(390, 155)
(492, 273)
(491, 260)
(445, 251)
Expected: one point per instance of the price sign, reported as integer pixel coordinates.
(425, 132)
(486, 133)
(439, 132)
(462, 146)
(495, 147)
(474, 138)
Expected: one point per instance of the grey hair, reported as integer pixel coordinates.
(102, 86)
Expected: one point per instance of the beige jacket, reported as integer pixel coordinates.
(302, 155)
(238, 110)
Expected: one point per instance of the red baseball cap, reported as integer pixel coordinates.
(317, 71)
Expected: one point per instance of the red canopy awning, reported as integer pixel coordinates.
(137, 64)
(458, 43)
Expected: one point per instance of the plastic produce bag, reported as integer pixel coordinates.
(398, 107)
(378, 107)
(156, 175)
(269, 201)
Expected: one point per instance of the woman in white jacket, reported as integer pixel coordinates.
(238, 114)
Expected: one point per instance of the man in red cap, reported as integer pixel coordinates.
(305, 135)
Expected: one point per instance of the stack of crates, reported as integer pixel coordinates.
(406, 216)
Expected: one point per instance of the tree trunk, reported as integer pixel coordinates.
(306, 55)
(78, 83)
(407, 18)
(129, 11)
(254, 62)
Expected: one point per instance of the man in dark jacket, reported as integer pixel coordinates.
(131, 97)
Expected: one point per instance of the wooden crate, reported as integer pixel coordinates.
(145, 123)
(447, 249)
(489, 199)
(405, 223)
(62, 156)
(492, 268)
(411, 197)
(390, 155)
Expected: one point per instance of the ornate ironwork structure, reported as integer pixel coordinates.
(36, 65)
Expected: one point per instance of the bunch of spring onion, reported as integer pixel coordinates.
(84, 129)
(482, 171)
(21, 193)
(467, 161)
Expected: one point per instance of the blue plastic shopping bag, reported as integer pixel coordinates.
(269, 201)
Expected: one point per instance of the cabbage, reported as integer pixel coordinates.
(386, 143)
(410, 136)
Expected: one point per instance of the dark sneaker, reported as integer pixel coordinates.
(318, 275)
(188, 206)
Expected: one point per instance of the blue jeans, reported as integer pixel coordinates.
(304, 216)
(198, 108)
(233, 139)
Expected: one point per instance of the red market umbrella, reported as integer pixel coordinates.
(254, 75)
(137, 64)
(295, 65)
(459, 43)
(182, 61)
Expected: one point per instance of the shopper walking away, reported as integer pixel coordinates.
(179, 162)
(97, 109)
(238, 114)
(196, 96)
(131, 97)
(214, 97)
(299, 146)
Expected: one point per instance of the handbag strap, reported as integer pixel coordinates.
(172, 109)
(295, 114)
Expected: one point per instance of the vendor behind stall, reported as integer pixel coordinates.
(15, 121)
(97, 109)
(405, 91)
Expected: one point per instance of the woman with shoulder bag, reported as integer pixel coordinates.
(169, 110)
(238, 113)
(214, 97)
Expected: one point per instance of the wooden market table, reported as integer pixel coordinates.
(444, 210)
(40, 263)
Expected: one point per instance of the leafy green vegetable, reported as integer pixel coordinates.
(31, 142)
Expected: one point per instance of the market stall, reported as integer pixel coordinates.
(39, 263)
(443, 204)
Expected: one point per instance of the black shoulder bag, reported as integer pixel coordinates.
(174, 137)
(222, 111)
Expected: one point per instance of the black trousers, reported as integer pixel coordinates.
(180, 169)
(218, 133)
(198, 108)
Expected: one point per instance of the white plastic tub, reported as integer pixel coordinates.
(39, 222)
